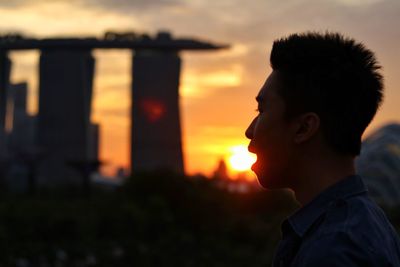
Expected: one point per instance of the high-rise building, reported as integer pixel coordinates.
(21, 139)
(94, 144)
(21, 149)
(67, 142)
(66, 77)
(156, 130)
(5, 65)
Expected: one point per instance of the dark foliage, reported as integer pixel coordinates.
(158, 219)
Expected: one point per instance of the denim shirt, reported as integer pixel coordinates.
(342, 226)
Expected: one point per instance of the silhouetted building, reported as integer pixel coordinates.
(94, 143)
(21, 149)
(156, 129)
(67, 143)
(379, 164)
(221, 172)
(66, 77)
(5, 65)
(21, 139)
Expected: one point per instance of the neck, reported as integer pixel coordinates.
(321, 174)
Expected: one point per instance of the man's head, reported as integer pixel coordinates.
(322, 94)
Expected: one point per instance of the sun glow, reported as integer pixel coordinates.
(241, 159)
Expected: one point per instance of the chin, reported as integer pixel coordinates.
(268, 179)
(268, 182)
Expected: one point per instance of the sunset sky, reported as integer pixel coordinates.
(217, 88)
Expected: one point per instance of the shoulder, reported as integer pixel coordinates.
(339, 249)
(354, 232)
(361, 218)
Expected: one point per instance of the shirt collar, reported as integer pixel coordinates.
(303, 218)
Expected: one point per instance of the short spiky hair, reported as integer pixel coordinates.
(333, 76)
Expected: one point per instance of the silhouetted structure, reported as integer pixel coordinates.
(94, 142)
(21, 140)
(21, 144)
(65, 93)
(221, 172)
(65, 133)
(156, 131)
(5, 65)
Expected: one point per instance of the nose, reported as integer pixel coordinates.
(250, 130)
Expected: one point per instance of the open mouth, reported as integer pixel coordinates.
(254, 165)
(251, 148)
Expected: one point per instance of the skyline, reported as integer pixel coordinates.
(232, 77)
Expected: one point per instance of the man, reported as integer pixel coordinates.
(323, 92)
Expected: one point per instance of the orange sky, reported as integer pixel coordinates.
(217, 88)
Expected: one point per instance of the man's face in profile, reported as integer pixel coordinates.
(270, 137)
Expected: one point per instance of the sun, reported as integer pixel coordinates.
(241, 159)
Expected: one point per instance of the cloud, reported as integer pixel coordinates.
(249, 26)
(199, 83)
(127, 6)
(60, 18)
(14, 3)
(354, 3)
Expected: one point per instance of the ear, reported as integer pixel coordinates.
(307, 126)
